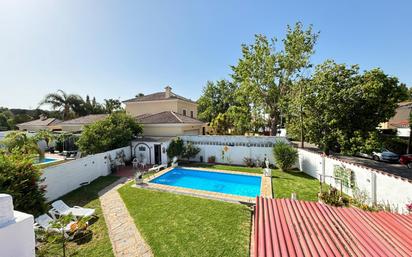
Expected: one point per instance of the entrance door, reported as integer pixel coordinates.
(158, 154)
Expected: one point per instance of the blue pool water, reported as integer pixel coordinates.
(219, 182)
(45, 160)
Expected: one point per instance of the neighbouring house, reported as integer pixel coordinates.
(166, 114)
(163, 115)
(40, 124)
(400, 121)
(77, 125)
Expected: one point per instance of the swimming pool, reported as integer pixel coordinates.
(234, 184)
(45, 160)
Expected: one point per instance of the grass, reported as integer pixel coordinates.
(178, 225)
(99, 245)
(284, 183)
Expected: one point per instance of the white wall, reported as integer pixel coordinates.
(233, 149)
(16, 230)
(64, 178)
(149, 150)
(381, 187)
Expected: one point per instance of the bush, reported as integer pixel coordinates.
(248, 162)
(332, 197)
(190, 151)
(20, 178)
(211, 159)
(175, 148)
(116, 131)
(285, 155)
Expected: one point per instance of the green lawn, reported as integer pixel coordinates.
(100, 244)
(283, 183)
(286, 182)
(178, 225)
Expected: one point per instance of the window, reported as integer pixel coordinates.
(184, 112)
(142, 149)
(191, 114)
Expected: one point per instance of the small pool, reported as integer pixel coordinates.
(45, 160)
(234, 184)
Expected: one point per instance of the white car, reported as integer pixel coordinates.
(385, 155)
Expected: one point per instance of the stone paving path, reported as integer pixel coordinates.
(126, 239)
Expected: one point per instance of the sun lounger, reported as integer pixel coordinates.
(61, 209)
(157, 168)
(46, 222)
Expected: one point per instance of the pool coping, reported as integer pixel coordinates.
(265, 187)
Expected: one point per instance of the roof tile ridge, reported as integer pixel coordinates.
(177, 117)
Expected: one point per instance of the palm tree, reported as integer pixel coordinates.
(63, 102)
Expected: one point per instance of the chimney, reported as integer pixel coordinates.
(168, 91)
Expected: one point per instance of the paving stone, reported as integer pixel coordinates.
(124, 236)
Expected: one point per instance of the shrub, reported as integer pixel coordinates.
(175, 148)
(211, 159)
(20, 178)
(116, 131)
(332, 197)
(18, 141)
(285, 155)
(190, 151)
(248, 162)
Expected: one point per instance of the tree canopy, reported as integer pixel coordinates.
(20, 142)
(343, 106)
(116, 131)
(253, 101)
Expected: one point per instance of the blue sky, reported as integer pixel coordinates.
(116, 49)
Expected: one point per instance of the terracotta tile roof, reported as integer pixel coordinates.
(165, 118)
(157, 97)
(89, 119)
(401, 117)
(41, 122)
(285, 227)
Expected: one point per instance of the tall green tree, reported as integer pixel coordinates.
(264, 73)
(67, 104)
(112, 105)
(116, 131)
(342, 104)
(217, 97)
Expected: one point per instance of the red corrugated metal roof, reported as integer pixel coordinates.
(285, 227)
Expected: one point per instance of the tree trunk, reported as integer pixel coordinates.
(273, 126)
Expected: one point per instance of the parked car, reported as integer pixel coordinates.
(406, 159)
(385, 155)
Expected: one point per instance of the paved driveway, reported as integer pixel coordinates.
(393, 168)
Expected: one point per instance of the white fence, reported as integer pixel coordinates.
(381, 187)
(64, 178)
(233, 149)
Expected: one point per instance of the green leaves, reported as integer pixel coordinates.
(341, 107)
(285, 155)
(20, 178)
(261, 79)
(113, 132)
